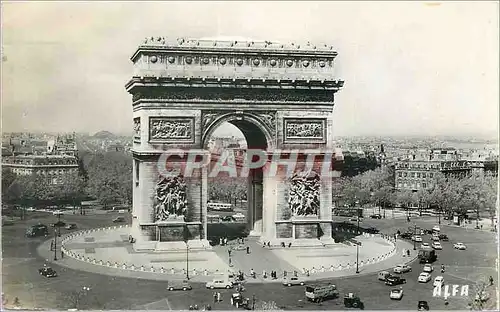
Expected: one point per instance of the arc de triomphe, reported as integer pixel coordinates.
(280, 96)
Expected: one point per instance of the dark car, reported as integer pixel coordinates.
(443, 237)
(353, 301)
(239, 301)
(70, 226)
(394, 280)
(58, 224)
(47, 272)
(376, 216)
(427, 231)
(372, 230)
(118, 220)
(37, 230)
(406, 235)
(179, 285)
(423, 306)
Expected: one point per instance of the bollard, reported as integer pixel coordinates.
(142, 268)
(205, 272)
(194, 271)
(152, 269)
(124, 266)
(100, 262)
(108, 263)
(172, 271)
(132, 267)
(162, 270)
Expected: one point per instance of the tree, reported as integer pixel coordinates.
(444, 195)
(423, 197)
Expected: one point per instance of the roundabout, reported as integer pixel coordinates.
(118, 289)
(108, 251)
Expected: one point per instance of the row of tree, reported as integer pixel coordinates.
(445, 194)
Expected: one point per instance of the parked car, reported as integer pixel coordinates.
(372, 230)
(424, 277)
(58, 224)
(437, 245)
(438, 281)
(355, 219)
(353, 301)
(428, 268)
(459, 246)
(402, 268)
(219, 283)
(396, 294)
(417, 238)
(394, 280)
(376, 216)
(47, 272)
(425, 246)
(179, 285)
(293, 281)
(70, 226)
(423, 306)
(406, 235)
(118, 220)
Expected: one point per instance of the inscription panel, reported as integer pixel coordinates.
(137, 129)
(171, 129)
(304, 130)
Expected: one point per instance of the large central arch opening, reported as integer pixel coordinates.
(235, 204)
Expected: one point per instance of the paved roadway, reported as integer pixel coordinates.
(21, 279)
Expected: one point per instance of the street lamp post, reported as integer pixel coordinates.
(55, 244)
(187, 252)
(414, 238)
(357, 250)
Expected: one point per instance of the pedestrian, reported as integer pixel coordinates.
(284, 273)
(481, 226)
(220, 241)
(283, 244)
(219, 297)
(289, 245)
(264, 274)
(408, 252)
(491, 280)
(295, 273)
(268, 244)
(264, 245)
(248, 250)
(215, 297)
(62, 254)
(229, 252)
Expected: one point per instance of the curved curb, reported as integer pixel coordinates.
(180, 274)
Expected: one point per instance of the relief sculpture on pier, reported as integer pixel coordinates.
(137, 129)
(305, 130)
(171, 129)
(170, 198)
(303, 199)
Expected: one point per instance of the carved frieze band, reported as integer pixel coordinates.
(218, 94)
(137, 129)
(305, 130)
(171, 129)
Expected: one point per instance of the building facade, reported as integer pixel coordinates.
(53, 167)
(416, 173)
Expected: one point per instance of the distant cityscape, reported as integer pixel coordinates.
(414, 159)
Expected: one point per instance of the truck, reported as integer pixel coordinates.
(427, 256)
(320, 292)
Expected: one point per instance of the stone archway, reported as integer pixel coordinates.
(280, 96)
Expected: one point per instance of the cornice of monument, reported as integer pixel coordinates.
(209, 46)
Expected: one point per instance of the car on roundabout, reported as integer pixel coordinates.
(443, 237)
(402, 268)
(406, 235)
(428, 268)
(436, 228)
(437, 246)
(352, 300)
(47, 272)
(376, 216)
(396, 294)
(438, 281)
(293, 281)
(394, 280)
(435, 237)
(219, 284)
(417, 238)
(355, 219)
(239, 301)
(459, 246)
(425, 246)
(179, 285)
(424, 277)
(423, 306)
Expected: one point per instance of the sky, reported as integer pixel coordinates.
(410, 68)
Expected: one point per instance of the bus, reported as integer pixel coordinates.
(348, 212)
(220, 207)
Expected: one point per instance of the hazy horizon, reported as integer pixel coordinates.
(411, 69)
